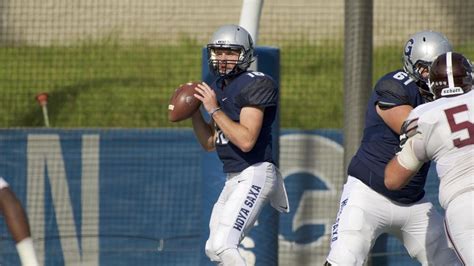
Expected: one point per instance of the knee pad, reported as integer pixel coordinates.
(211, 253)
(339, 256)
(231, 257)
(216, 246)
(221, 242)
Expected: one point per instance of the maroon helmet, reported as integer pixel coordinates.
(450, 75)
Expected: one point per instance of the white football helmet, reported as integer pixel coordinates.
(421, 50)
(235, 38)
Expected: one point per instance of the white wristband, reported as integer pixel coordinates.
(407, 158)
(26, 252)
(213, 111)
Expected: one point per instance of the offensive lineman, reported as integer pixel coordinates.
(443, 131)
(367, 207)
(242, 106)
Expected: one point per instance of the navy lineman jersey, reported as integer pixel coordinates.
(247, 89)
(380, 143)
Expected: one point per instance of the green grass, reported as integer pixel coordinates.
(94, 85)
(311, 87)
(111, 85)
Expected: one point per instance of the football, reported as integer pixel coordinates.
(183, 103)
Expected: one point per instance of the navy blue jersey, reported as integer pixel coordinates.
(247, 89)
(380, 143)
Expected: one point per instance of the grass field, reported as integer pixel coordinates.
(111, 85)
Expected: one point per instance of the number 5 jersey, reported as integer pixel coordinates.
(447, 137)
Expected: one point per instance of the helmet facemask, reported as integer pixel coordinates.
(221, 67)
(421, 70)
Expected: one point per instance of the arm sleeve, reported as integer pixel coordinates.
(261, 92)
(389, 94)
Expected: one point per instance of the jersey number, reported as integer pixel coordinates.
(401, 76)
(255, 73)
(221, 139)
(460, 126)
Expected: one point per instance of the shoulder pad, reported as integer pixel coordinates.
(260, 91)
(390, 93)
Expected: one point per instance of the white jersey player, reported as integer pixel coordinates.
(443, 131)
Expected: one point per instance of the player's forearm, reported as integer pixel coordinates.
(396, 176)
(14, 214)
(236, 133)
(403, 166)
(203, 131)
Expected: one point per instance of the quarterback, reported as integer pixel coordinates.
(242, 106)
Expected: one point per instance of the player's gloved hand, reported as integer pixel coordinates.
(403, 140)
(407, 131)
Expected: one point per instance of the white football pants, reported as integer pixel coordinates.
(365, 214)
(459, 222)
(237, 209)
